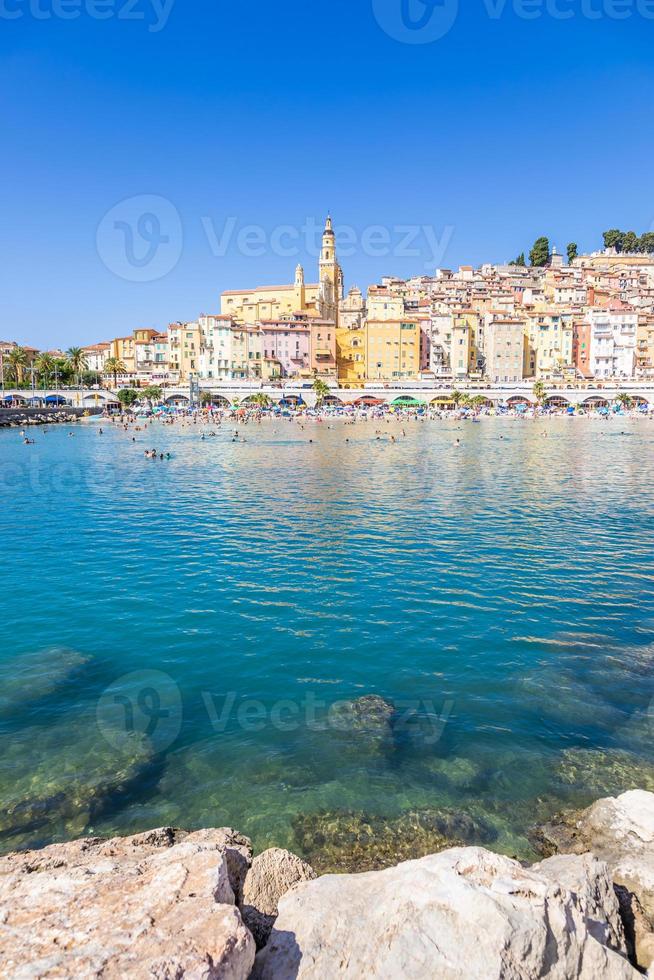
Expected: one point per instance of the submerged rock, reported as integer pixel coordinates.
(351, 841)
(370, 714)
(272, 874)
(460, 914)
(31, 677)
(158, 904)
(598, 772)
(455, 771)
(65, 772)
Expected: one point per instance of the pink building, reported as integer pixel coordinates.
(289, 343)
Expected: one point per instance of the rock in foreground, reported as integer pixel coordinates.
(158, 904)
(272, 874)
(455, 915)
(620, 831)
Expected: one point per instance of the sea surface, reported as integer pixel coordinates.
(354, 648)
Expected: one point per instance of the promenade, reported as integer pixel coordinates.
(588, 395)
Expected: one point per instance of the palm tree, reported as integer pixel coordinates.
(114, 365)
(540, 391)
(478, 401)
(321, 389)
(76, 359)
(624, 399)
(460, 399)
(151, 394)
(261, 399)
(17, 360)
(45, 366)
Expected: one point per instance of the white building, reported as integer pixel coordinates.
(96, 355)
(613, 331)
(229, 351)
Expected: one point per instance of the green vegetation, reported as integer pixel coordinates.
(540, 392)
(76, 360)
(628, 241)
(573, 252)
(15, 364)
(127, 396)
(153, 393)
(321, 389)
(540, 253)
(520, 260)
(114, 366)
(261, 399)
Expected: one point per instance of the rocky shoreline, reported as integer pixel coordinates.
(171, 904)
(20, 417)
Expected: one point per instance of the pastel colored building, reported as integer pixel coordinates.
(288, 344)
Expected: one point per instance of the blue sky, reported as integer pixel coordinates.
(269, 114)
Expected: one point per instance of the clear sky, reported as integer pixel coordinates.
(138, 148)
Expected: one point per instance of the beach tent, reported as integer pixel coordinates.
(55, 400)
(407, 401)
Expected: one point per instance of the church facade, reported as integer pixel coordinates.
(278, 303)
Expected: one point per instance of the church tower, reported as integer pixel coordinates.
(330, 275)
(299, 297)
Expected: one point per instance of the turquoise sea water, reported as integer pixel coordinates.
(174, 632)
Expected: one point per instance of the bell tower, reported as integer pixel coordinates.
(299, 290)
(331, 279)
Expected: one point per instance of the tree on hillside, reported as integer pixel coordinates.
(540, 253)
(520, 260)
(646, 242)
(613, 239)
(630, 242)
(573, 252)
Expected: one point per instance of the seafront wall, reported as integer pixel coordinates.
(167, 903)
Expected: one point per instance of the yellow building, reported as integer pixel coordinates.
(123, 349)
(548, 347)
(184, 344)
(351, 365)
(280, 302)
(645, 346)
(392, 349)
(464, 345)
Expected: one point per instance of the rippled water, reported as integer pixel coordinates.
(173, 632)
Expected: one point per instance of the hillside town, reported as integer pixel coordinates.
(590, 317)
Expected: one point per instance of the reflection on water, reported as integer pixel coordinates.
(482, 615)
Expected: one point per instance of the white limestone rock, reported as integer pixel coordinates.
(459, 914)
